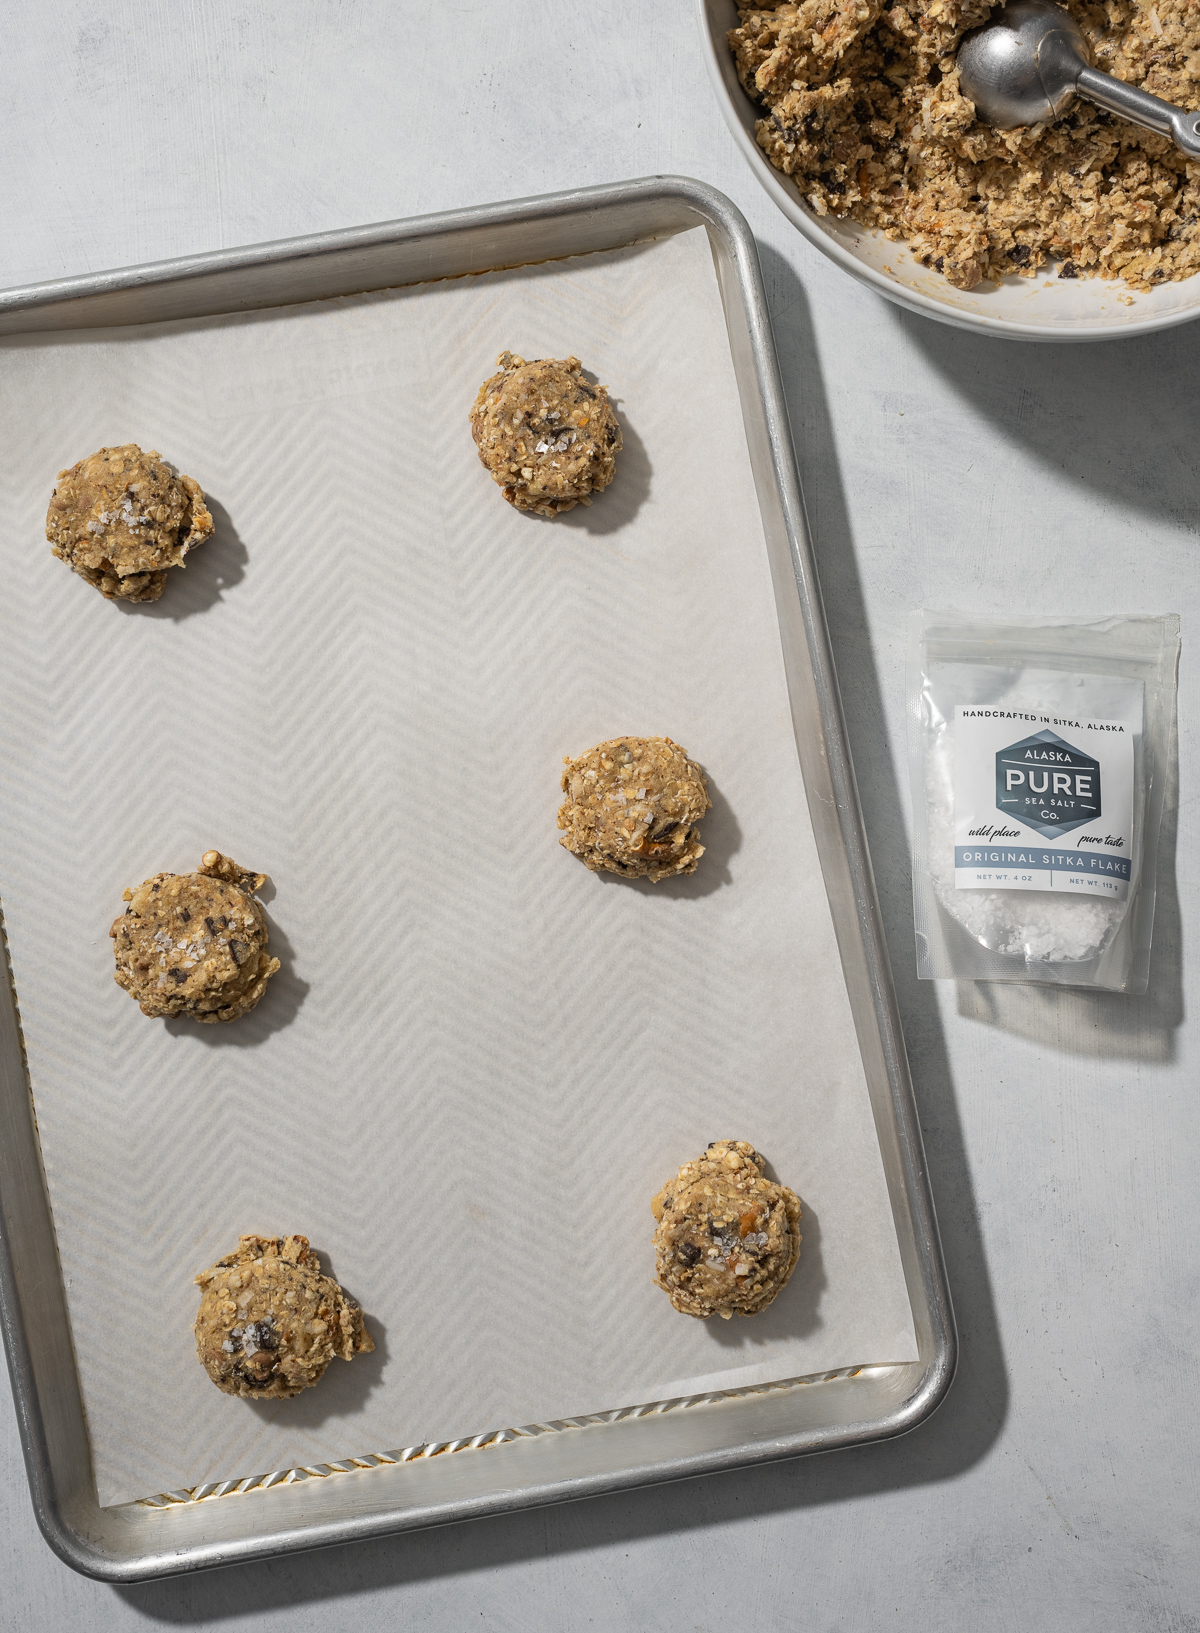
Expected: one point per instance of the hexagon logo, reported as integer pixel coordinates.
(1048, 785)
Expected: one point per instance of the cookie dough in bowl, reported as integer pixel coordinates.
(121, 518)
(727, 1238)
(195, 944)
(270, 1322)
(633, 807)
(1043, 306)
(547, 436)
(867, 117)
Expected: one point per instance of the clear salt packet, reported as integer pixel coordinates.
(1040, 750)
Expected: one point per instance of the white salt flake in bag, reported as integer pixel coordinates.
(1038, 756)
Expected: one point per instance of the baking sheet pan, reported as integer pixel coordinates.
(580, 616)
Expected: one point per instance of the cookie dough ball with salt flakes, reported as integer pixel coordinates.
(195, 944)
(548, 436)
(632, 808)
(727, 1237)
(269, 1322)
(121, 518)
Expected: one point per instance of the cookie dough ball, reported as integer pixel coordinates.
(195, 944)
(726, 1240)
(632, 807)
(269, 1322)
(547, 436)
(120, 518)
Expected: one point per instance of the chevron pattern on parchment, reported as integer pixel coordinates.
(479, 1061)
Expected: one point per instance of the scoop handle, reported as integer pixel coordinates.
(1140, 108)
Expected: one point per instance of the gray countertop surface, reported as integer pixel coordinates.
(1056, 1488)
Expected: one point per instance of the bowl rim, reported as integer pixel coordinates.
(788, 199)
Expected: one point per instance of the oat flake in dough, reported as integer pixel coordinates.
(121, 518)
(269, 1322)
(548, 436)
(195, 944)
(727, 1238)
(632, 808)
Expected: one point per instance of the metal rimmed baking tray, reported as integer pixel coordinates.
(437, 1482)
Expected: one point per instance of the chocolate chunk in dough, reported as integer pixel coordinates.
(632, 807)
(548, 436)
(727, 1240)
(120, 518)
(269, 1322)
(195, 944)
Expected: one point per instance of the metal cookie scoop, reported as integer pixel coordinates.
(1030, 61)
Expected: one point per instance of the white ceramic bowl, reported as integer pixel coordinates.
(1020, 308)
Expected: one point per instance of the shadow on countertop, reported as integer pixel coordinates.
(1116, 416)
(964, 1428)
